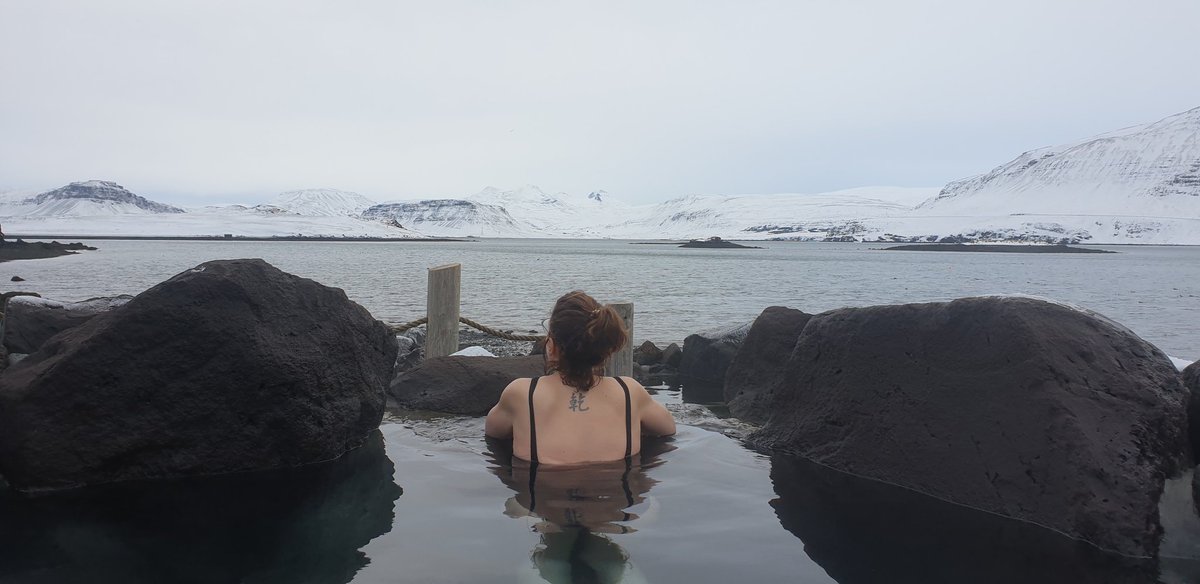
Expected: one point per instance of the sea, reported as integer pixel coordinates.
(429, 500)
(512, 283)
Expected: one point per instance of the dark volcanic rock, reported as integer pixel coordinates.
(647, 354)
(29, 322)
(672, 356)
(706, 358)
(304, 524)
(230, 366)
(758, 366)
(1020, 407)
(461, 385)
(1191, 380)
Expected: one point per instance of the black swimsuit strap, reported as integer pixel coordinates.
(628, 419)
(533, 457)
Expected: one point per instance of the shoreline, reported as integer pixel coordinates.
(987, 248)
(239, 238)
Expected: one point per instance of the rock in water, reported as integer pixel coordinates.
(30, 321)
(1020, 407)
(231, 366)
(706, 358)
(672, 356)
(758, 364)
(1191, 380)
(647, 354)
(461, 385)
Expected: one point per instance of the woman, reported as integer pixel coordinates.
(573, 416)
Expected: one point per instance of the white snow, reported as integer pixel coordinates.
(321, 203)
(1135, 185)
(472, 351)
(204, 222)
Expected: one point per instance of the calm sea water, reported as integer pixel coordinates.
(1155, 291)
(427, 500)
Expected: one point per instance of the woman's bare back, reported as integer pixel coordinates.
(571, 426)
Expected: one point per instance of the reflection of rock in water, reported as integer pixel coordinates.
(865, 532)
(576, 503)
(297, 525)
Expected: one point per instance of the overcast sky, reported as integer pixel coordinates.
(212, 101)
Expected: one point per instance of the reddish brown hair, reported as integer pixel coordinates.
(585, 334)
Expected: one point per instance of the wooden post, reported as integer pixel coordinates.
(621, 362)
(441, 306)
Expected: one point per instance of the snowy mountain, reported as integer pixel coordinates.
(319, 203)
(557, 215)
(83, 199)
(1136, 185)
(451, 218)
(1152, 169)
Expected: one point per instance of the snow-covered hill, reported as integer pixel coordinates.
(319, 203)
(1151, 170)
(804, 216)
(84, 199)
(1135, 185)
(451, 218)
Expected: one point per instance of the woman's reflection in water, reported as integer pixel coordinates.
(574, 506)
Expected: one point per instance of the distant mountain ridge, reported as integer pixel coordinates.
(1136, 185)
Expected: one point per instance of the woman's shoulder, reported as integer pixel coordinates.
(519, 385)
(635, 388)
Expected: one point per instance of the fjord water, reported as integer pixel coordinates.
(428, 500)
(1154, 291)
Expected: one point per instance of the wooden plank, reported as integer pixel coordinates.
(620, 364)
(441, 306)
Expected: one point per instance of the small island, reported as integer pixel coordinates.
(1015, 248)
(24, 250)
(717, 243)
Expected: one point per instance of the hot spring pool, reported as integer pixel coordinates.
(428, 500)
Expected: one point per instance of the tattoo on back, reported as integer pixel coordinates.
(577, 404)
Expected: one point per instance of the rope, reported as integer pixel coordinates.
(399, 328)
(495, 333)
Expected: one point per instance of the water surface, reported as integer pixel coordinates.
(1155, 291)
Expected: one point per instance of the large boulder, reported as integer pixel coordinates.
(461, 385)
(1191, 380)
(706, 358)
(231, 366)
(30, 321)
(757, 367)
(1020, 407)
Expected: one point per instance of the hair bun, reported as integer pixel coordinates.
(586, 333)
